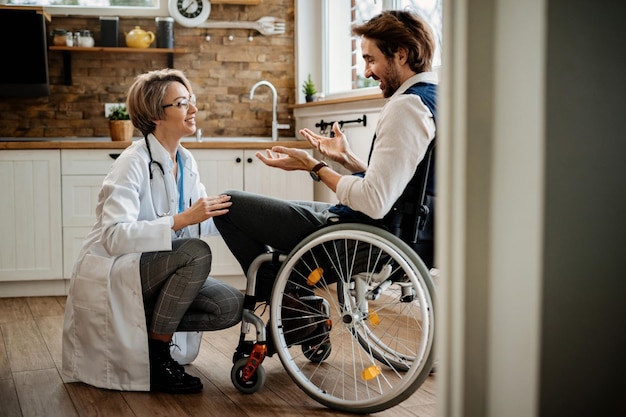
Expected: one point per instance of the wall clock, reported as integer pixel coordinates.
(189, 13)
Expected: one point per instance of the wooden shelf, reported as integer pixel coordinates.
(119, 49)
(68, 50)
(244, 2)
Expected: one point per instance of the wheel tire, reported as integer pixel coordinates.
(253, 384)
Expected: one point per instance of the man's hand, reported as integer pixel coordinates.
(337, 148)
(288, 159)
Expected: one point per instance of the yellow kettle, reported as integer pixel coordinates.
(139, 38)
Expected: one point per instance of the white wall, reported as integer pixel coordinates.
(531, 227)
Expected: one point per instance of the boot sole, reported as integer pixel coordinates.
(181, 390)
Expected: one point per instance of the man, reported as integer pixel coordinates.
(398, 48)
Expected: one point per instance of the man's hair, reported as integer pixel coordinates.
(394, 29)
(146, 95)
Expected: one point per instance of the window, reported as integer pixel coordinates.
(333, 58)
(99, 7)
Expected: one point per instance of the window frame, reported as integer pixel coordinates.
(311, 18)
(313, 21)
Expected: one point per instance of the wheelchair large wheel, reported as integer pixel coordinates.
(366, 293)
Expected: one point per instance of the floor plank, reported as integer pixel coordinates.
(51, 329)
(145, 404)
(94, 402)
(25, 346)
(14, 309)
(9, 403)
(211, 403)
(42, 393)
(44, 306)
(5, 367)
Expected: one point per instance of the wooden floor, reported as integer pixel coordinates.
(31, 383)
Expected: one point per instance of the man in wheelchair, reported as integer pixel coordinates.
(396, 185)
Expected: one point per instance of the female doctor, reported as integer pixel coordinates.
(142, 269)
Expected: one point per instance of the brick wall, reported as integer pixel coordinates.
(221, 72)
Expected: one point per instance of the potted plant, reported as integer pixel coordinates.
(308, 88)
(120, 126)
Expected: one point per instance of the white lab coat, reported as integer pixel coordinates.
(105, 342)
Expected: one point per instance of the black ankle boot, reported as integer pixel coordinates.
(304, 319)
(167, 375)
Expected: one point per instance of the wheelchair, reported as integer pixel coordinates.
(351, 319)
(351, 316)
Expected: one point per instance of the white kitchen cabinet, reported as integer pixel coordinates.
(82, 172)
(224, 169)
(30, 209)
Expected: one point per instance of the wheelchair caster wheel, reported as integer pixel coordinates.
(253, 384)
(318, 355)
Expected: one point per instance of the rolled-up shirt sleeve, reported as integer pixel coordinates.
(404, 131)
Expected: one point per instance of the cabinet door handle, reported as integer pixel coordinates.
(114, 155)
(249, 160)
(238, 160)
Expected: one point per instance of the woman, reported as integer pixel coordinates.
(142, 271)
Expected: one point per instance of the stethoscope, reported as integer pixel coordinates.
(152, 163)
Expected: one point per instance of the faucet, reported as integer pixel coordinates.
(198, 135)
(275, 124)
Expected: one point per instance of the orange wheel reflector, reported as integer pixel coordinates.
(373, 318)
(315, 276)
(370, 373)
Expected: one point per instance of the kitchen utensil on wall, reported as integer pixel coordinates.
(266, 25)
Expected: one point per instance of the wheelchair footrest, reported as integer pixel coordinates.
(305, 320)
(244, 349)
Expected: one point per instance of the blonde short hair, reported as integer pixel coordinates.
(145, 97)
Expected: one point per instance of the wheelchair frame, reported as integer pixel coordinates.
(359, 303)
(363, 305)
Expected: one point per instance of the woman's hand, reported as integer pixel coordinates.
(204, 208)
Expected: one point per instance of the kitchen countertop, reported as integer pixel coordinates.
(106, 143)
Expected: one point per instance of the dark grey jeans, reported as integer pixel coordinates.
(255, 221)
(179, 295)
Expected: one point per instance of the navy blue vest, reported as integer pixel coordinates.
(412, 216)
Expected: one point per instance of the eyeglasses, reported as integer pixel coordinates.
(183, 103)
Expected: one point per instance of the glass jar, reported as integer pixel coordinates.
(59, 37)
(85, 40)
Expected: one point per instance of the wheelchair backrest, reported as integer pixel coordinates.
(412, 216)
